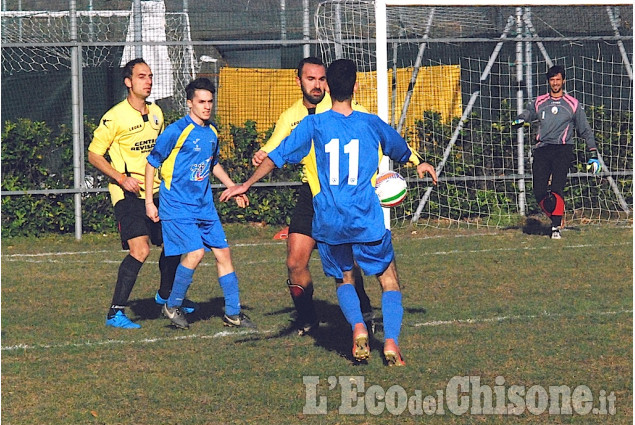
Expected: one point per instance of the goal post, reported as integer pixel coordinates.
(451, 78)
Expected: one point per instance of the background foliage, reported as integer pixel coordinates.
(34, 156)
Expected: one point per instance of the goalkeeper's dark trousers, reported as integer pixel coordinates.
(550, 167)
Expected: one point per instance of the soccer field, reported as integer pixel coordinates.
(538, 330)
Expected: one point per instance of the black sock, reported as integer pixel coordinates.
(556, 220)
(303, 302)
(114, 309)
(128, 271)
(364, 301)
(167, 267)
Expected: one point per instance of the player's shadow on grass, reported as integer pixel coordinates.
(534, 226)
(334, 333)
(147, 309)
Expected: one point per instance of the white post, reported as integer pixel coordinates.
(283, 20)
(382, 80)
(138, 27)
(306, 28)
(78, 124)
(520, 135)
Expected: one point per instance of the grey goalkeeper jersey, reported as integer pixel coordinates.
(558, 117)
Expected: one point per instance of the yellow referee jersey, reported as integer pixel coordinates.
(128, 137)
(290, 119)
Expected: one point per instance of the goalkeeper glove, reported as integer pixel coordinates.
(594, 164)
(519, 122)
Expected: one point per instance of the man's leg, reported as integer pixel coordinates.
(561, 163)
(364, 301)
(300, 282)
(350, 306)
(182, 281)
(167, 269)
(126, 278)
(541, 171)
(228, 281)
(551, 203)
(392, 310)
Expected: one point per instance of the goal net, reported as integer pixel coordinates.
(41, 42)
(458, 76)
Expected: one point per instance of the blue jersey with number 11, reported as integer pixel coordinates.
(347, 152)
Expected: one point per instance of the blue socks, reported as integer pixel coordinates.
(349, 304)
(392, 310)
(229, 285)
(182, 281)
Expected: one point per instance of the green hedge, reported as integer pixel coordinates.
(36, 157)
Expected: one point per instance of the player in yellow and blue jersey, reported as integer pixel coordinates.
(311, 78)
(127, 132)
(187, 153)
(347, 147)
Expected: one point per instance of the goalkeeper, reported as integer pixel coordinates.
(311, 78)
(558, 114)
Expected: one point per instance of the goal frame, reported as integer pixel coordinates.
(383, 106)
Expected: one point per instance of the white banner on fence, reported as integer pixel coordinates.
(153, 29)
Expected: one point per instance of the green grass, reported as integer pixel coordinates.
(477, 303)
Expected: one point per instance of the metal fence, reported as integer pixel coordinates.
(62, 67)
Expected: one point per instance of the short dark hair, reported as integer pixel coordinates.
(312, 60)
(555, 70)
(201, 83)
(341, 76)
(126, 72)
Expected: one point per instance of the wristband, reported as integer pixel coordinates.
(120, 181)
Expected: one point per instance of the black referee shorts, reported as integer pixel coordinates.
(133, 222)
(302, 215)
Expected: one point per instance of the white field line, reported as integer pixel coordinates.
(31, 258)
(521, 318)
(238, 245)
(222, 334)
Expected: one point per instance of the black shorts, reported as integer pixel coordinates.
(302, 215)
(133, 222)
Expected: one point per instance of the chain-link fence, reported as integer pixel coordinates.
(61, 64)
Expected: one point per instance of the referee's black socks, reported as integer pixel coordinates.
(128, 271)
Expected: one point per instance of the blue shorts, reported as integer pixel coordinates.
(181, 236)
(373, 257)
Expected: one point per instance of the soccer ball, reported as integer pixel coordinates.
(391, 189)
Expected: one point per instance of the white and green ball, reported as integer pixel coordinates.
(391, 188)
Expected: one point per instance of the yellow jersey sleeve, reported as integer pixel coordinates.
(287, 121)
(128, 137)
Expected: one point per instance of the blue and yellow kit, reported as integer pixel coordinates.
(343, 153)
(186, 153)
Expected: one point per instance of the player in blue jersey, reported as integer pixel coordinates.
(187, 152)
(558, 114)
(126, 133)
(311, 78)
(348, 224)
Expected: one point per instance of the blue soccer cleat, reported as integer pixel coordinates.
(120, 320)
(188, 306)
